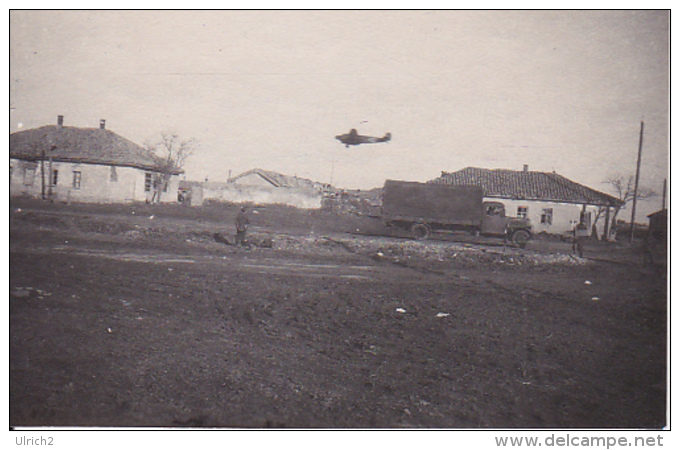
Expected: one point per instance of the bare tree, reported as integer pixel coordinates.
(624, 187)
(174, 152)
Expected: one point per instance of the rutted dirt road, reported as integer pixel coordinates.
(118, 326)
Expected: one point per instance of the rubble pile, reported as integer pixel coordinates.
(389, 249)
(404, 251)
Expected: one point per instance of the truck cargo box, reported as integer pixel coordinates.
(432, 203)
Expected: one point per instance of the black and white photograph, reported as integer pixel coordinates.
(339, 220)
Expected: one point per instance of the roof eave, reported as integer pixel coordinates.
(555, 200)
(101, 163)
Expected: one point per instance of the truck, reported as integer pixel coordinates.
(424, 208)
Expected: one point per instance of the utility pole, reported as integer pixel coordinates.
(637, 180)
(663, 197)
(332, 167)
(42, 175)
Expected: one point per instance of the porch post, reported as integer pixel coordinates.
(606, 224)
(50, 178)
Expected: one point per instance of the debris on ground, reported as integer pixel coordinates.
(401, 252)
(221, 239)
(264, 243)
(25, 292)
(20, 292)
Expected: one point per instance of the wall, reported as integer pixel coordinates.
(565, 216)
(298, 197)
(98, 183)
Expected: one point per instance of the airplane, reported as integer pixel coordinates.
(353, 138)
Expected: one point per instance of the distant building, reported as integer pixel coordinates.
(553, 203)
(658, 225)
(86, 165)
(259, 186)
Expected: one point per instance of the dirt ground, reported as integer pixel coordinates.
(133, 315)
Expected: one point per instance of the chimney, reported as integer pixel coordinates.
(60, 121)
(102, 124)
(526, 167)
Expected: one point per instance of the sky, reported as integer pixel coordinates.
(561, 91)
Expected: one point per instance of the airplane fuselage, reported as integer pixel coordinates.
(353, 138)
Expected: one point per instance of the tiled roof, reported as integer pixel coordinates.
(278, 180)
(511, 184)
(82, 145)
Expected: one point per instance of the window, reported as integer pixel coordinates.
(522, 212)
(29, 175)
(77, 175)
(165, 185)
(148, 181)
(495, 210)
(547, 216)
(113, 175)
(55, 177)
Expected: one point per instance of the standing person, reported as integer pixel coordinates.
(580, 235)
(242, 223)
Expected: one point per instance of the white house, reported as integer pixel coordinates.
(91, 165)
(553, 203)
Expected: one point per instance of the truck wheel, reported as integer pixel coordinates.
(420, 231)
(520, 238)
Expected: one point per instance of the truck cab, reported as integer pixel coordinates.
(496, 223)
